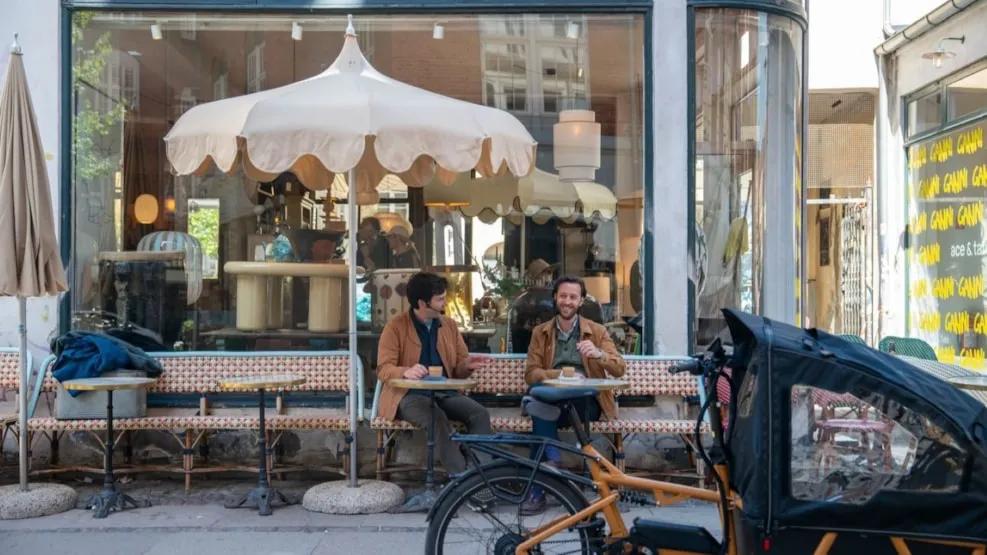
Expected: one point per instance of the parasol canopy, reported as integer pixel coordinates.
(350, 116)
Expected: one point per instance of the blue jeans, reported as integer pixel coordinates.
(588, 410)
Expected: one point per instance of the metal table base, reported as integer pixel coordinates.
(261, 496)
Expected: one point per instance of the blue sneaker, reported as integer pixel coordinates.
(535, 503)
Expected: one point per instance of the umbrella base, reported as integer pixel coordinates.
(38, 500)
(338, 498)
(260, 498)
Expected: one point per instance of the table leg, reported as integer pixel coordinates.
(260, 497)
(110, 498)
(430, 463)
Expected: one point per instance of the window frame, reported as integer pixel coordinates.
(940, 87)
(643, 8)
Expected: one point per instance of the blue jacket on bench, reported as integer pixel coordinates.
(87, 355)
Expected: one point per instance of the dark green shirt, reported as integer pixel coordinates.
(566, 353)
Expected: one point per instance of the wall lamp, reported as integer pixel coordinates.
(941, 53)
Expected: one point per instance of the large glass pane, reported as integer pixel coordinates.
(924, 114)
(947, 192)
(496, 245)
(847, 448)
(748, 167)
(840, 213)
(967, 96)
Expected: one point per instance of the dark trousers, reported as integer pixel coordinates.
(417, 409)
(588, 410)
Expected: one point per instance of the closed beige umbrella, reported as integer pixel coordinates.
(30, 265)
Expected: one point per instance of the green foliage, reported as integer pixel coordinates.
(92, 144)
(203, 224)
(497, 281)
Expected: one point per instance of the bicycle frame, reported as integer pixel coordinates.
(605, 478)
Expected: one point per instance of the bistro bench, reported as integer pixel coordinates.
(648, 376)
(197, 373)
(10, 371)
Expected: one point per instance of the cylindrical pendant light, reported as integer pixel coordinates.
(577, 145)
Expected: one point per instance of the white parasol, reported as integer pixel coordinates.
(350, 119)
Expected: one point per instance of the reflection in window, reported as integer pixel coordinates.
(505, 71)
(848, 448)
(255, 69)
(542, 58)
(924, 114)
(203, 224)
(748, 136)
(967, 96)
(533, 65)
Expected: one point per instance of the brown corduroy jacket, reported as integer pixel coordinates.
(400, 348)
(541, 354)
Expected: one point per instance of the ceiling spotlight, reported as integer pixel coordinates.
(438, 31)
(941, 53)
(572, 30)
(296, 30)
(156, 31)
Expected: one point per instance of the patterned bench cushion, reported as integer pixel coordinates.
(523, 424)
(199, 372)
(647, 376)
(10, 370)
(327, 420)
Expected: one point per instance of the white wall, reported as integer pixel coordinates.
(842, 37)
(37, 23)
(908, 73)
(913, 72)
(668, 222)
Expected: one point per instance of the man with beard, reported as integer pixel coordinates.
(569, 340)
(413, 341)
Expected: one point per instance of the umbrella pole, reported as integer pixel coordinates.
(22, 393)
(354, 390)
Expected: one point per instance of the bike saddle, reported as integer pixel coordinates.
(550, 394)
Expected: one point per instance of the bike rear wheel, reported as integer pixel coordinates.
(457, 528)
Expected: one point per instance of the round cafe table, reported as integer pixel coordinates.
(260, 497)
(109, 498)
(424, 500)
(599, 384)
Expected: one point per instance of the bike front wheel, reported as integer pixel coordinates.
(462, 524)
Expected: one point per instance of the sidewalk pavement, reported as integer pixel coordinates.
(190, 528)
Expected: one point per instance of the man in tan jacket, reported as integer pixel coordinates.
(409, 344)
(569, 340)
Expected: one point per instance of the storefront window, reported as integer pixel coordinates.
(924, 114)
(151, 250)
(748, 167)
(967, 95)
(947, 192)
